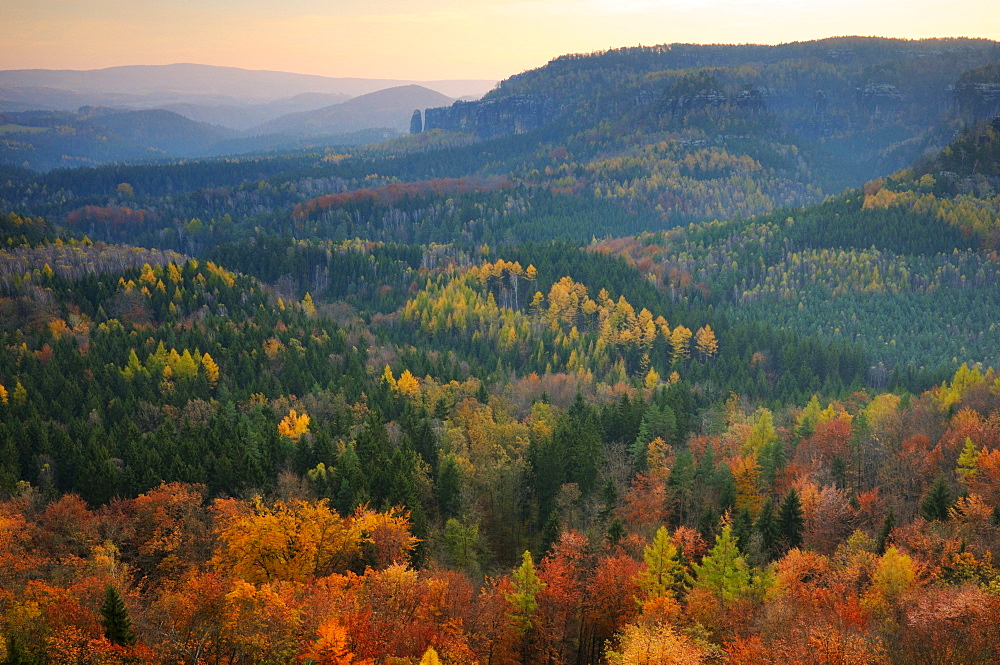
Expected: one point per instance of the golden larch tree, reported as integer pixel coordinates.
(705, 342)
(680, 343)
(211, 370)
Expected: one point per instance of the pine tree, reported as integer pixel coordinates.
(790, 521)
(449, 487)
(551, 531)
(115, 619)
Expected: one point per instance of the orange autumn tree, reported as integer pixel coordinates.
(287, 541)
(331, 647)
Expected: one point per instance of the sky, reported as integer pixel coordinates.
(438, 39)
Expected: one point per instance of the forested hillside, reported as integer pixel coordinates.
(904, 267)
(614, 388)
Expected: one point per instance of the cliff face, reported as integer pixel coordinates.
(489, 118)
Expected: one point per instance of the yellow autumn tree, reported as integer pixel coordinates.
(20, 394)
(658, 458)
(185, 367)
(655, 644)
(294, 425)
(308, 306)
(408, 384)
(652, 379)
(705, 342)
(746, 477)
(147, 276)
(3, 394)
(894, 575)
(430, 657)
(680, 343)
(388, 377)
(211, 370)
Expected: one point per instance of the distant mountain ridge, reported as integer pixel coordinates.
(226, 96)
(390, 108)
(195, 79)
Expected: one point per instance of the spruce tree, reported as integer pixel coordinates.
(885, 533)
(937, 502)
(609, 497)
(616, 531)
(742, 528)
(767, 527)
(115, 619)
(790, 522)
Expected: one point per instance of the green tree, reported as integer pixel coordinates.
(664, 575)
(723, 571)
(767, 526)
(115, 618)
(936, 503)
(885, 533)
(524, 597)
(790, 521)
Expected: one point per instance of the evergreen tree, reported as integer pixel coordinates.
(790, 521)
(679, 484)
(742, 528)
(616, 531)
(609, 497)
(449, 487)
(708, 522)
(551, 531)
(767, 527)
(885, 533)
(115, 618)
(577, 438)
(658, 421)
(937, 501)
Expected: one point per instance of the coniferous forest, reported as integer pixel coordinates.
(679, 354)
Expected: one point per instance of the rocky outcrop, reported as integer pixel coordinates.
(880, 97)
(489, 118)
(977, 100)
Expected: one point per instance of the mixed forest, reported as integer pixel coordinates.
(641, 359)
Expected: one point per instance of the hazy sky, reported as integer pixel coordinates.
(434, 39)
